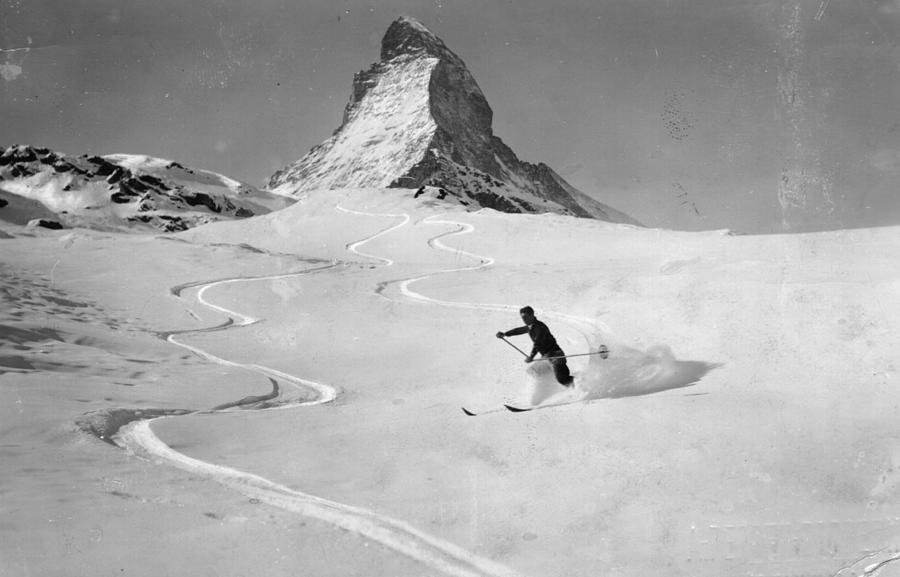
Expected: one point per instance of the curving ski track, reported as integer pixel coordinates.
(586, 326)
(354, 247)
(324, 393)
(397, 535)
(138, 437)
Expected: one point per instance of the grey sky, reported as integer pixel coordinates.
(753, 115)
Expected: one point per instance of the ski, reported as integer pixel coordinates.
(488, 412)
(510, 408)
(514, 409)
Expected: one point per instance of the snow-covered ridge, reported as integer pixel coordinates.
(418, 118)
(121, 191)
(386, 133)
(143, 163)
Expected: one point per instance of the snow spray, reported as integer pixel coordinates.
(630, 372)
(626, 372)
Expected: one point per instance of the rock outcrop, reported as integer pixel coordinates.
(418, 118)
(120, 191)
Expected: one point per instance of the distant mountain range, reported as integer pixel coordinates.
(120, 191)
(417, 119)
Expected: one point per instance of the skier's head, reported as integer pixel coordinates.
(527, 314)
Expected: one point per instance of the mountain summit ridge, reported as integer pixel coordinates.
(418, 118)
(407, 36)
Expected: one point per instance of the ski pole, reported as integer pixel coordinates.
(569, 356)
(603, 352)
(524, 354)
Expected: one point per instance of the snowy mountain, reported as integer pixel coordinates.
(418, 118)
(120, 191)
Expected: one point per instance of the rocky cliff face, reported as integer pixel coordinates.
(418, 118)
(120, 191)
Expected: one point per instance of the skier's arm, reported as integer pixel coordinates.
(513, 332)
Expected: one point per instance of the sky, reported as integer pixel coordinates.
(758, 116)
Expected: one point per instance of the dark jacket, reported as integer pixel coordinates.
(544, 343)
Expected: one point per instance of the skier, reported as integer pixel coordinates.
(544, 343)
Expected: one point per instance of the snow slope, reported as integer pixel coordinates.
(16, 209)
(743, 424)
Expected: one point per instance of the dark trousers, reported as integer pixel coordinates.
(560, 368)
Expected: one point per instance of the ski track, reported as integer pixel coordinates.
(139, 439)
(397, 535)
(587, 327)
(325, 393)
(354, 247)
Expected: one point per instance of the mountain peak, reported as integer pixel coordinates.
(409, 36)
(418, 118)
